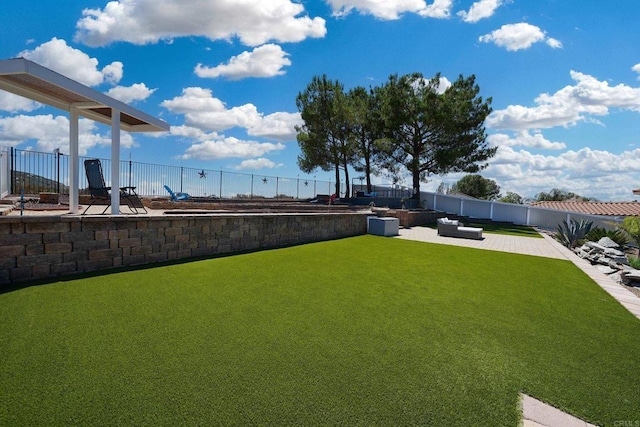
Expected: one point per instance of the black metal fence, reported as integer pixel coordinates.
(35, 172)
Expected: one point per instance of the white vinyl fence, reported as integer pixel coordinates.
(509, 212)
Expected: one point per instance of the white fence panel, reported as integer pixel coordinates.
(449, 204)
(474, 208)
(508, 212)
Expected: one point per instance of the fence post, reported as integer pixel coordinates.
(220, 195)
(181, 175)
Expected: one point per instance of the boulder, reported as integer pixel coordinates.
(595, 246)
(630, 276)
(608, 243)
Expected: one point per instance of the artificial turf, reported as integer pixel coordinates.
(359, 331)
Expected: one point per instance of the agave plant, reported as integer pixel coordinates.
(617, 235)
(570, 234)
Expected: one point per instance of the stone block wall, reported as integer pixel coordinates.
(34, 248)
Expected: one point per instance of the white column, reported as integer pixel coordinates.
(115, 161)
(73, 161)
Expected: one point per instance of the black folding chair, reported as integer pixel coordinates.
(100, 192)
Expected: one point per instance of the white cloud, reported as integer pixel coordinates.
(129, 94)
(636, 68)
(256, 164)
(203, 111)
(49, 132)
(587, 98)
(229, 147)
(525, 139)
(592, 173)
(280, 126)
(554, 43)
(14, 103)
(437, 9)
(264, 61)
(518, 36)
(73, 63)
(480, 10)
(254, 22)
(392, 9)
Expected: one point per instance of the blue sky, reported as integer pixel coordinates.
(564, 78)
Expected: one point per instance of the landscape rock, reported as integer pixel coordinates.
(608, 243)
(630, 276)
(608, 258)
(596, 246)
(607, 269)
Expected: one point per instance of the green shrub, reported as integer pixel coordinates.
(617, 236)
(573, 233)
(631, 226)
(634, 262)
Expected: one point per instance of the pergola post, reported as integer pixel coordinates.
(73, 160)
(115, 161)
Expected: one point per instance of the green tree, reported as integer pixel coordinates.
(557, 195)
(365, 131)
(430, 131)
(325, 137)
(511, 197)
(478, 187)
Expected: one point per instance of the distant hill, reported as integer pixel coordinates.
(34, 184)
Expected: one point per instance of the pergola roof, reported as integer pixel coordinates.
(30, 80)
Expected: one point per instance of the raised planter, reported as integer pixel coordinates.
(50, 198)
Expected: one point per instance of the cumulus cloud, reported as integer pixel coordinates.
(254, 22)
(525, 139)
(518, 36)
(636, 68)
(73, 63)
(480, 10)
(587, 98)
(593, 173)
(264, 61)
(49, 132)
(229, 147)
(14, 103)
(256, 164)
(392, 9)
(203, 111)
(281, 126)
(130, 94)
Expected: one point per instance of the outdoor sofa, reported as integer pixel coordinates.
(453, 228)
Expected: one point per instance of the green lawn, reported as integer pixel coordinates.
(360, 331)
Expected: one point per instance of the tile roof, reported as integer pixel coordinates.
(594, 208)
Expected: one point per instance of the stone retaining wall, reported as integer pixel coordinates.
(44, 247)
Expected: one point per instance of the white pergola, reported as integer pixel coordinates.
(30, 80)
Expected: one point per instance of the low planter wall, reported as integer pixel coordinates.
(413, 218)
(44, 247)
